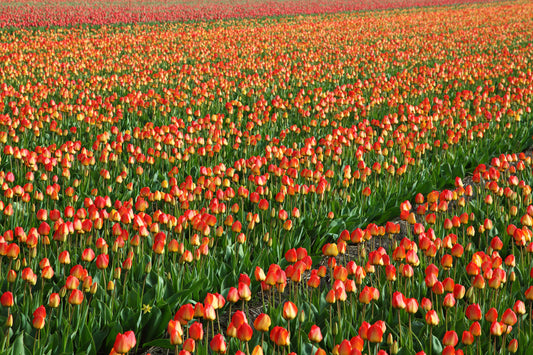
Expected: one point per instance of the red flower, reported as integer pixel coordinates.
(509, 317)
(244, 332)
(432, 317)
(218, 344)
(473, 312)
(450, 338)
(262, 322)
(467, 338)
(315, 335)
(76, 297)
(375, 334)
(124, 342)
(102, 261)
(398, 300)
(7, 299)
(290, 311)
(196, 331)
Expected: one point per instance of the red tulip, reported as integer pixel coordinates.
(432, 318)
(244, 332)
(513, 346)
(102, 261)
(124, 342)
(450, 338)
(315, 335)
(290, 311)
(473, 312)
(54, 300)
(449, 301)
(184, 314)
(509, 317)
(7, 299)
(375, 334)
(76, 297)
(491, 315)
(262, 322)
(196, 331)
(280, 336)
(467, 338)
(475, 329)
(411, 305)
(519, 307)
(398, 300)
(497, 328)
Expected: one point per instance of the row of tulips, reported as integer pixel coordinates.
(172, 172)
(99, 12)
(433, 291)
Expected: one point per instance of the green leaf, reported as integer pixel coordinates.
(160, 343)
(437, 346)
(18, 345)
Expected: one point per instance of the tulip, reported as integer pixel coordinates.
(315, 335)
(233, 295)
(54, 300)
(188, 347)
(262, 323)
(258, 350)
(184, 314)
(102, 261)
(497, 328)
(467, 338)
(38, 322)
(450, 338)
(244, 332)
(196, 331)
(491, 315)
(7, 299)
(76, 297)
(473, 312)
(175, 331)
(509, 317)
(124, 342)
(290, 311)
(244, 292)
(513, 346)
(475, 329)
(375, 334)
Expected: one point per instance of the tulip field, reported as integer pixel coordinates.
(266, 177)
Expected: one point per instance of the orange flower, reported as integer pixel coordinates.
(217, 344)
(262, 323)
(315, 335)
(124, 342)
(290, 311)
(76, 297)
(7, 299)
(375, 333)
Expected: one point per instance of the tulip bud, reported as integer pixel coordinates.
(9, 321)
(62, 292)
(394, 348)
(513, 346)
(512, 276)
(301, 316)
(117, 272)
(335, 329)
